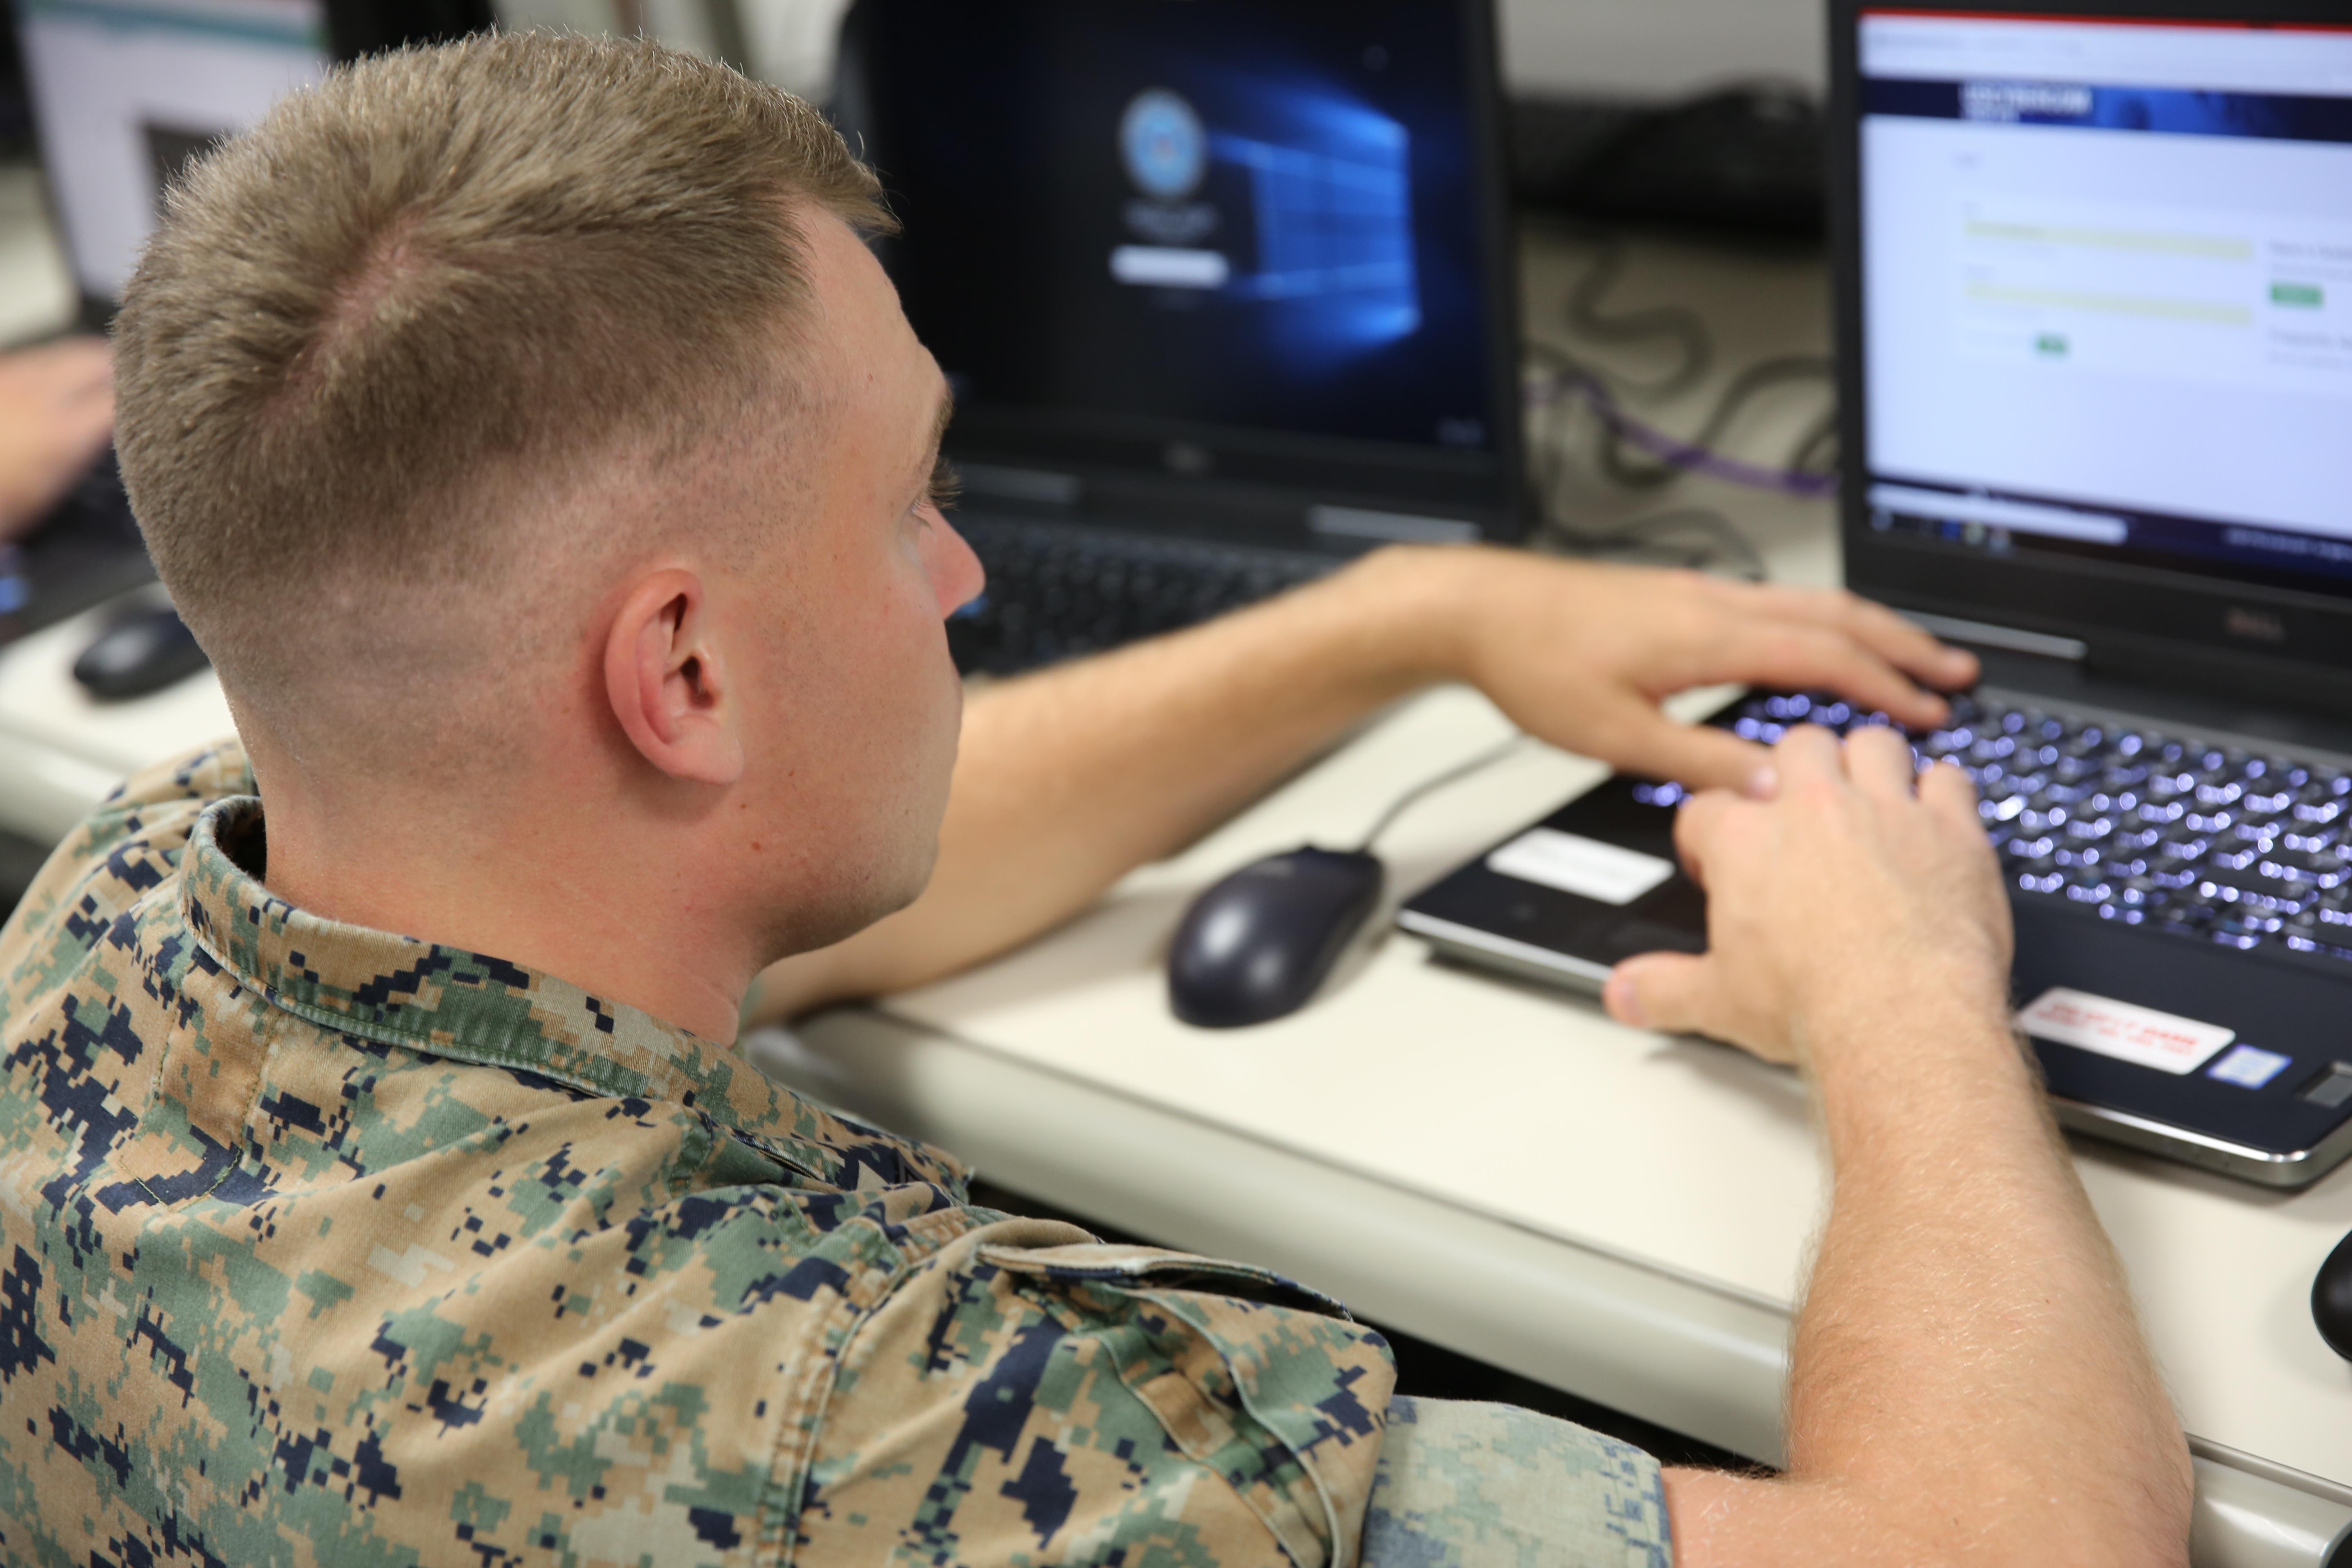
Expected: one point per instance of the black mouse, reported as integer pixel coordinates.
(2331, 1299)
(145, 651)
(1256, 945)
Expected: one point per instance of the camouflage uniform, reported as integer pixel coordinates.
(323, 1246)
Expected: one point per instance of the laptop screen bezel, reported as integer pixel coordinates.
(2130, 615)
(1271, 482)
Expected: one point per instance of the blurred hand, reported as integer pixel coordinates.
(57, 411)
(1851, 886)
(1580, 656)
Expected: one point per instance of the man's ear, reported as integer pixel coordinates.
(667, 685)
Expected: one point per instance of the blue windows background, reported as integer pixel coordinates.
(1332, 196)
(1333, 207)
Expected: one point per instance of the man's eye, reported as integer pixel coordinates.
(946, 487)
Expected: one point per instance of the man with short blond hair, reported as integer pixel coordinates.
(524, 429)
(376, 378)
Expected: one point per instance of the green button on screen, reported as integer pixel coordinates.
(2301, 296)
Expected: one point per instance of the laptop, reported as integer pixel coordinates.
(2093, 265)
(1224, 289)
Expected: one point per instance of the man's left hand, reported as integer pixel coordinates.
(1581, 656)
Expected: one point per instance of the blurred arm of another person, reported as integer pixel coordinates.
(56, 414)
(1967, 1379)
(1069, 778)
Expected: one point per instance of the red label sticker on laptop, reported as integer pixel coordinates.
(2122, 1031)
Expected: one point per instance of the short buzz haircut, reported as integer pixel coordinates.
(440, 271)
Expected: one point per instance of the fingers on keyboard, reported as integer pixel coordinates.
(2213, 842)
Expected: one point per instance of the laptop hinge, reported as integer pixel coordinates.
(1039, 487)
(1986, 634)
(1390, 527)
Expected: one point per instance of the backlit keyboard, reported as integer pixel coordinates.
(2218, 843)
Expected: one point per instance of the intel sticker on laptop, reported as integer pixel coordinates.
(2249, 1066)
(1585, 866)
(2122, 1030)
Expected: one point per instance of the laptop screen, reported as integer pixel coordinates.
(2106, 281)
(1207, 234)
(126, 91)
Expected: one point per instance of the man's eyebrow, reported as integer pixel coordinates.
(940, 421)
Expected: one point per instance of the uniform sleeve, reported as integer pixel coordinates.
(1490, 1486)
(1096, 1404)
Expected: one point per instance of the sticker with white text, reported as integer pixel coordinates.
(1585, 866)
(2122, 1030)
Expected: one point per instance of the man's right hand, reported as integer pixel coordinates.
(1966, 1382)
(1859, 878)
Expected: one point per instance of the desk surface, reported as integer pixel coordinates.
(61, 750)
(1493, 1165)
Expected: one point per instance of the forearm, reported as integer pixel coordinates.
(1966, 1299)
(1967, 1378)
(1070, 778)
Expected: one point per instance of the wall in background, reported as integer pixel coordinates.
(1659, 49)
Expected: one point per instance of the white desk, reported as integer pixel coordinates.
(61, 751)
(1493, 1167)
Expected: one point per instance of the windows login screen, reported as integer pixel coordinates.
(2108, 286)
(1237, 212)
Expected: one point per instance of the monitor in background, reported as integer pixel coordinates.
(1251, 242)
(125, 92)
(124, 95)
(2105, 322)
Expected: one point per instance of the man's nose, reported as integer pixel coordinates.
(957, 575)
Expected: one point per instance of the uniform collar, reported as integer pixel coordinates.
(467, 1006)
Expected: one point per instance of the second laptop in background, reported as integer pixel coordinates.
(1224, 290)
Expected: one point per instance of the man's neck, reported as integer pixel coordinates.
(623, 923)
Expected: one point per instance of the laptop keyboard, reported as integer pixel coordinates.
(2213, 842)
(1055, 591)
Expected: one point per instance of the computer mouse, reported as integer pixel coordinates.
(2331, 1299)
(1256, 946)
(145, 651)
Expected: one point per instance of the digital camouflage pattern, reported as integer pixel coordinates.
(1487, 1486)
(323, 1246)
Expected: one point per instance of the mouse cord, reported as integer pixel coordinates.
(1427, 787)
